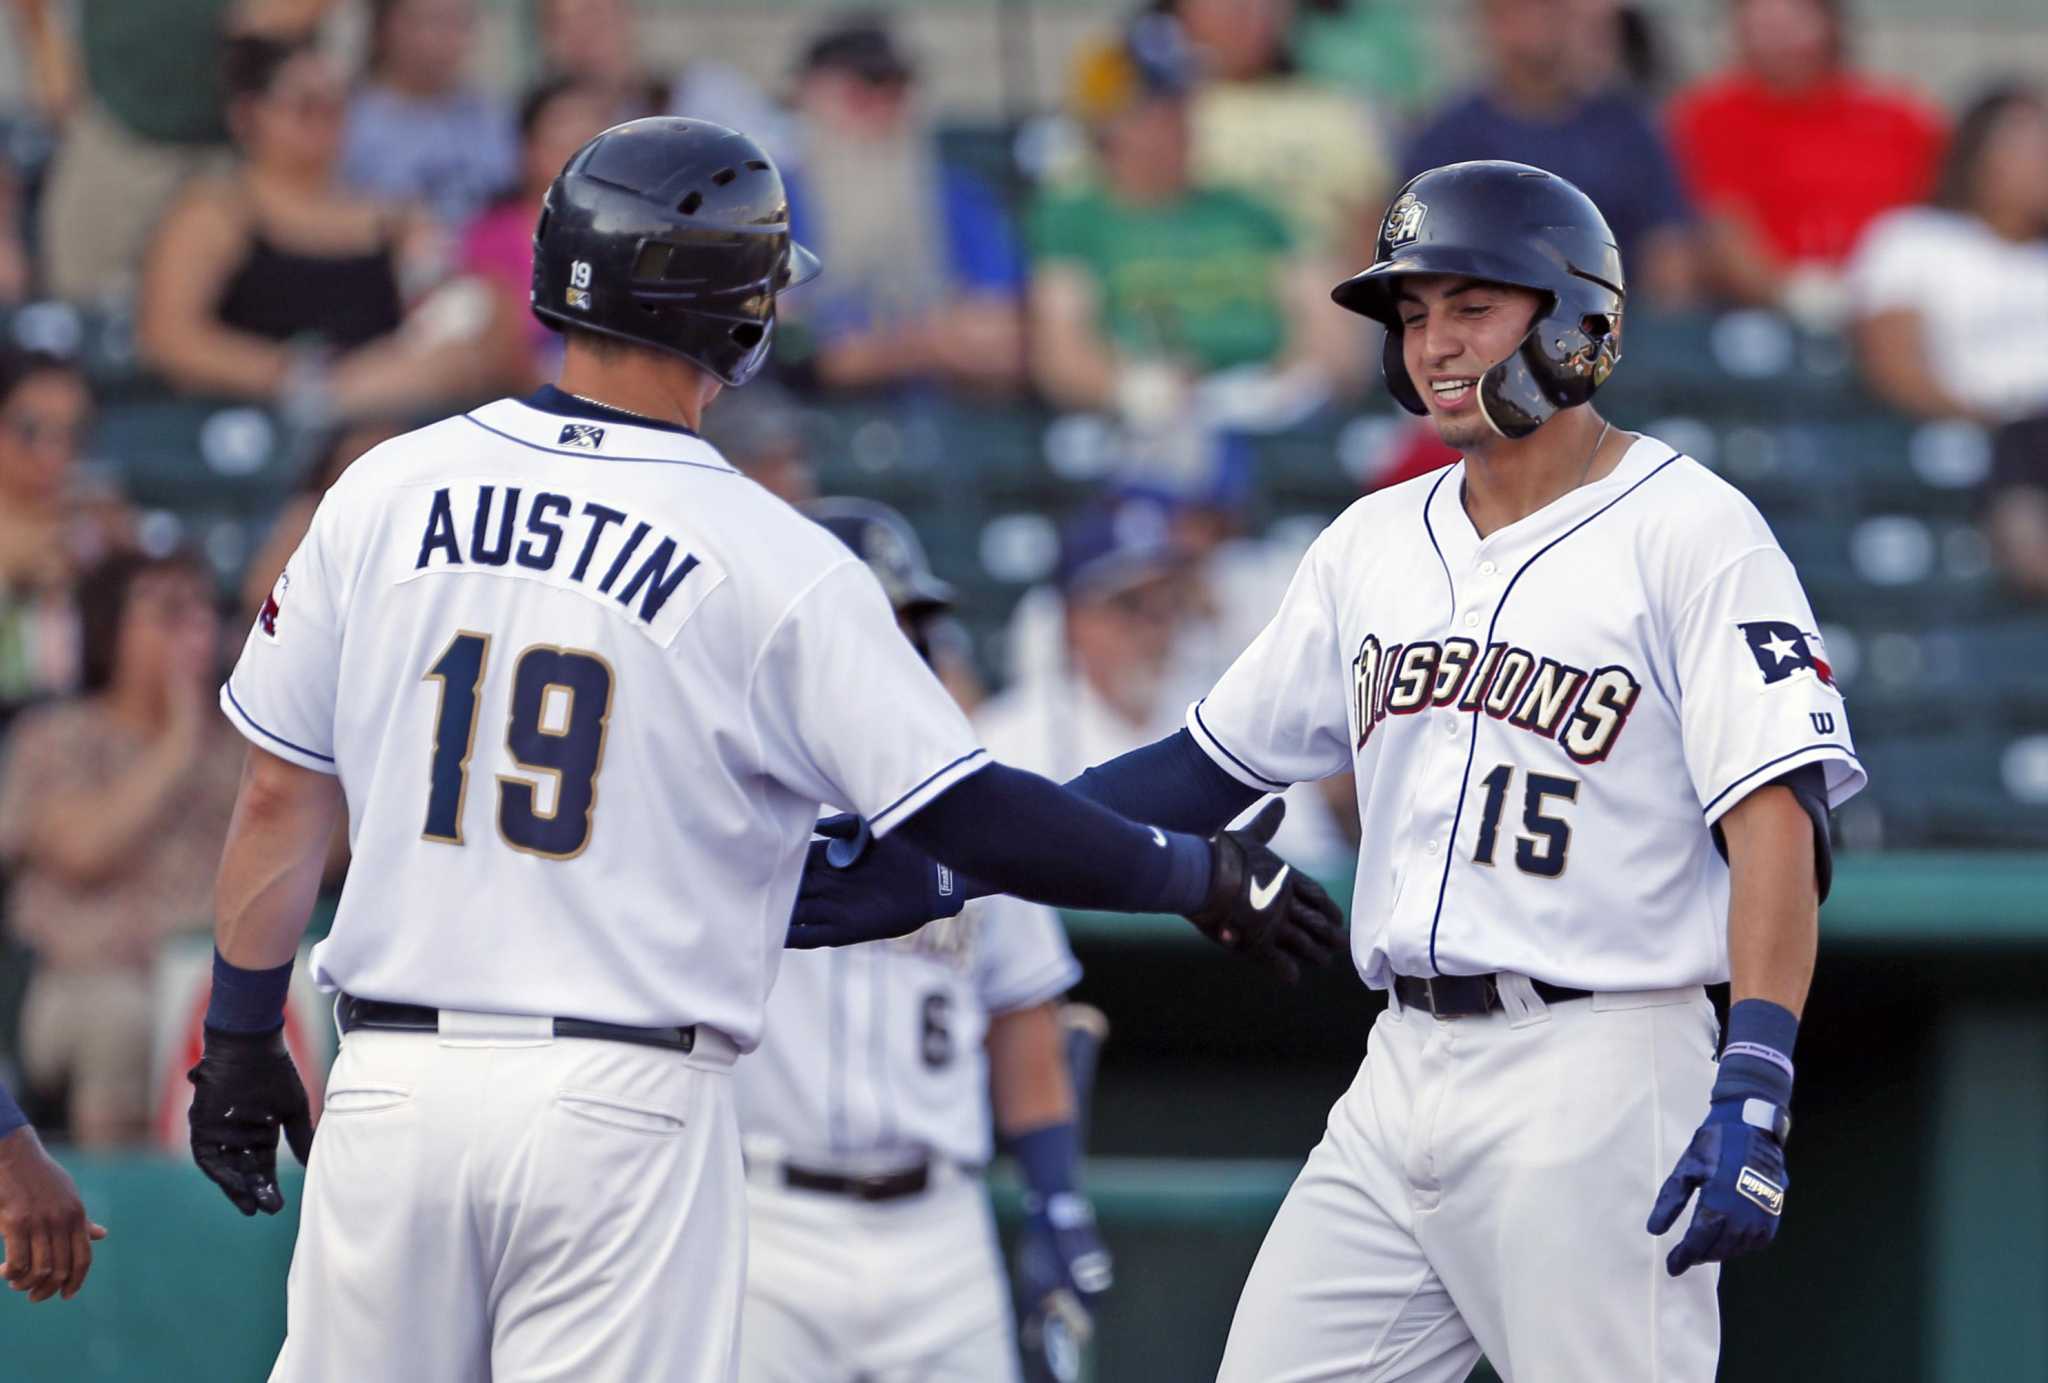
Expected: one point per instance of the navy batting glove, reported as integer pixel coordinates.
(1059, 1250)
(1736, 1162)
(856, 888)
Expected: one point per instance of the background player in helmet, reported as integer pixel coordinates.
(865, 1115)
(582, 688)
(1595, 740)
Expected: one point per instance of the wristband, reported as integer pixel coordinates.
(247, 1001)
(11, 1117)
(1049, 1158)
(1756, 1062)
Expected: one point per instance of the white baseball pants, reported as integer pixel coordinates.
(903, 1291)
(1482, 1186)
(506, 1207)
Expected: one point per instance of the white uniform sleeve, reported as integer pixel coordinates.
(1022, 957)
(845, 711)
(282, 691)
(1279, 716)
(1757, 697)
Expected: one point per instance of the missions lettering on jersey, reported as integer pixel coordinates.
(568, 542)
(1583, 711)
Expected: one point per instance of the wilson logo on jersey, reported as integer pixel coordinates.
(1781, 649)
(1583, 711)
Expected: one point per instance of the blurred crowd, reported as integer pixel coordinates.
(339, 232)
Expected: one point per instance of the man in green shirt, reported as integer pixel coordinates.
(137, 95)
(1145, 282)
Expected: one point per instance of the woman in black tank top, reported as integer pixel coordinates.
(278, 284)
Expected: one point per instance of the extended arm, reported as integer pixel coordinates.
(245, 1088)
(49, 1239)
(1737, 1159)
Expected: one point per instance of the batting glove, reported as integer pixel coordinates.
(856, 888)
(1736, 1162)
(1264, 907)
(1059, 1250)
(244, 1089)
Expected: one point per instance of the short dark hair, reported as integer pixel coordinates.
(18, 367)
(103, 602)
(249, 63)
(1955, 186)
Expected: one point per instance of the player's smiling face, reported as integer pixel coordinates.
(1453, 330)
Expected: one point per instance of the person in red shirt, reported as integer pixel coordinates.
(1791, 152)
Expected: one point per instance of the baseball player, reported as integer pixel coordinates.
(45, 1231)
(582, 689)
(1595, 738)
(865, 1116)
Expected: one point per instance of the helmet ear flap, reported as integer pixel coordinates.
(1396, 370)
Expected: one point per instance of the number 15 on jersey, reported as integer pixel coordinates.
(554, 729)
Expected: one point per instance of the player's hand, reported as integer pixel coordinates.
(1264, 907)
(49, 1237)
(1058, 1251)
(244, 1089)
(856, 888)
(1738, 1169)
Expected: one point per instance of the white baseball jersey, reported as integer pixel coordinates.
(1545, 724)
(874, 1053)
(585, 686)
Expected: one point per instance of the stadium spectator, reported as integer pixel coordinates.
(1951, 298)
(1952, 312)
(1620, 47)
(925, 271)
(1532, 107)
(555, 120)
(14, 265)
(416, 131)
(136, 92)
(1261, 127)
(274, 282)
(1376, 48)
(52, 525)
(1155, 296)
(1791, 152)
(112, 812)
(598, 43)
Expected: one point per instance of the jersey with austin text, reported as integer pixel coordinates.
(1546, 723)
(585, 687)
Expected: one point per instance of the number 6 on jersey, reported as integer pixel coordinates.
(561, 706)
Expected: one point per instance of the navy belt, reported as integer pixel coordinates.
(878, 1186)
(1463, 996)
(353, 1013)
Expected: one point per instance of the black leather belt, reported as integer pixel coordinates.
(1462, 996)
(355, 1013)
(878, 1186)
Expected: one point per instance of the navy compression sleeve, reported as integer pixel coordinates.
(1022, 834)
(1169, 783)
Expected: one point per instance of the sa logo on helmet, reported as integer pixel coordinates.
(1404, 219)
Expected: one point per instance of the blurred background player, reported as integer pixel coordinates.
(866, 1111)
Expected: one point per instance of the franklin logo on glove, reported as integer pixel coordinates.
(1762, 1190)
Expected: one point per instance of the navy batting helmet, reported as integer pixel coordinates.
(884, 539)
(1505, 223)
(671, 233)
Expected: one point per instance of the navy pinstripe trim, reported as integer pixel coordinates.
(1708, 810)
(1224, 750)
(876, 819)
(1472, 750)
(258, 727)
(598, 456)
(1430, 528)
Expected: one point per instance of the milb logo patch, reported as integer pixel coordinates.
(1781, 649)
(1761, 1189)
(587, 436)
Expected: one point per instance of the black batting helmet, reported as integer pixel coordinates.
(1505, 223)
(884, 539)
(672, 233)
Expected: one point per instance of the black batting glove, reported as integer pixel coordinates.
(1264, 907)
(244, 1089)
